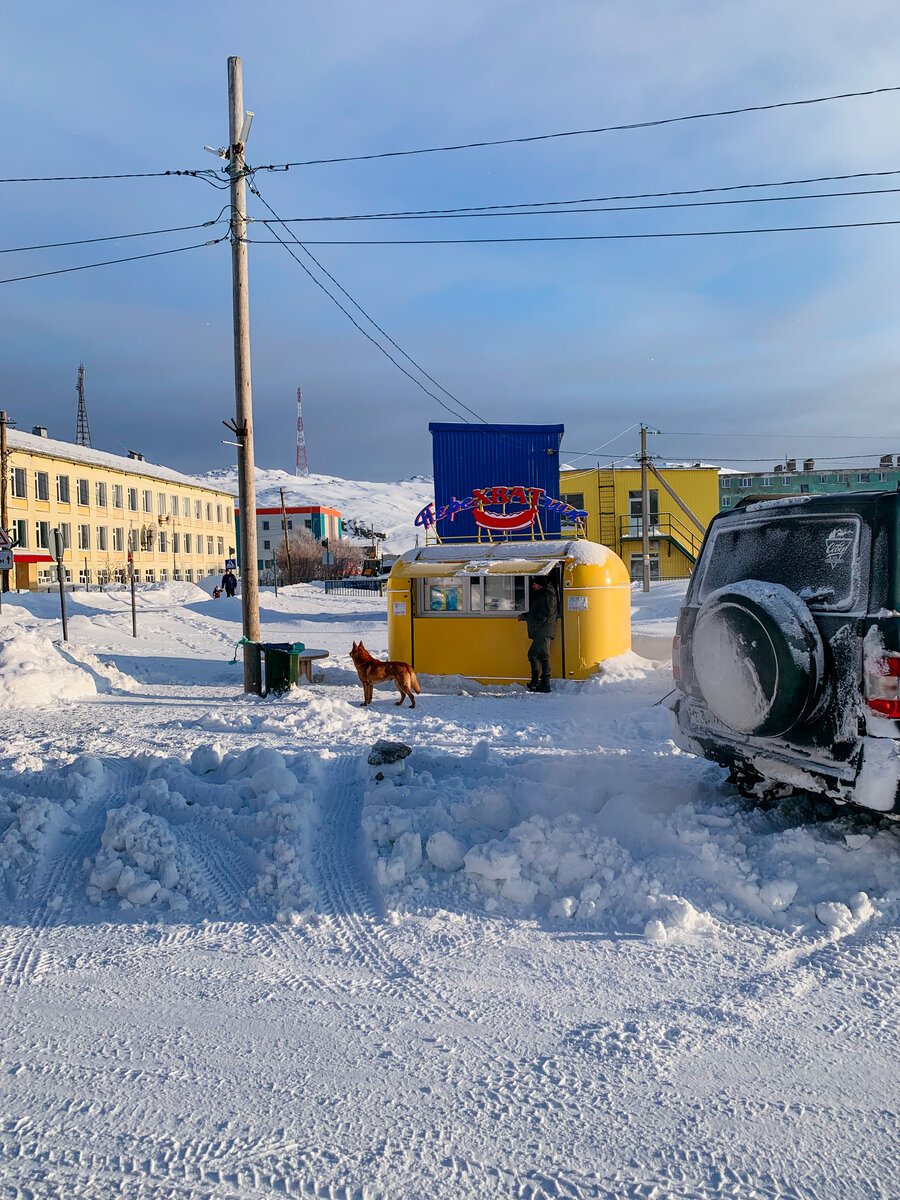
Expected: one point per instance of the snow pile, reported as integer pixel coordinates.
(576, 838)
(34, 672)
(150, 852)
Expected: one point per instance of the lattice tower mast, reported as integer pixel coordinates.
(83, 432)
(302, 462)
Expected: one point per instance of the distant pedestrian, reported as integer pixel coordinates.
(229, 583)
(543, 607)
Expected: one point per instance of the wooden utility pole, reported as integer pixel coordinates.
(242, 390)
(4, 484)
(287, 540)
(645, 510)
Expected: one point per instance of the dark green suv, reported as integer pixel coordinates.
(787, 651)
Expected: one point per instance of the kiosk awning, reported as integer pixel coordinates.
(497, 566)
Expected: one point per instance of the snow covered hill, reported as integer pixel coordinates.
(390, 507)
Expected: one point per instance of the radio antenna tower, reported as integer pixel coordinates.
(83, 432)
(302, 463)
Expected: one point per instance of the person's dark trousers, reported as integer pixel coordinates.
(539, 656)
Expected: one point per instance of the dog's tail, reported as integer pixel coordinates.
(413, 681)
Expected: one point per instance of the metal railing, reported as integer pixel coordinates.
(664, 525)
(355, 587)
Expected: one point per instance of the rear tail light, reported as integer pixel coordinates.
(676, 657)
(883, 686)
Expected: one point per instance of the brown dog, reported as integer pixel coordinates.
(373, 670)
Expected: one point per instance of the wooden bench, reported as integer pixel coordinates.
(306, 659)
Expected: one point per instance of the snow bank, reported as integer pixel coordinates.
(578, 839)
(151, 853)
(33, 672)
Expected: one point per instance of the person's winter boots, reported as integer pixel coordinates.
(535, 683)
(544, 685)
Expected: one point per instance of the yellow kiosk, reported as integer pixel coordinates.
(453, 608)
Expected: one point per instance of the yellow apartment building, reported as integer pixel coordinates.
(612, 498)
(107, 507)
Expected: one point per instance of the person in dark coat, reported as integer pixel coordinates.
(540, 619)
(229, 583)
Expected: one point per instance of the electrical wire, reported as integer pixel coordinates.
(115, 237)
(523, 210)
(602, 446)
(843, 437)
(199, 174)
(353, 320)
(584, 237)
(543, 137)
(112, 261)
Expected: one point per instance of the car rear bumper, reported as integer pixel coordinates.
(869, 778)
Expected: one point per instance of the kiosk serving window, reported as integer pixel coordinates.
(478, 595)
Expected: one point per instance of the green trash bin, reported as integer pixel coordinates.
(282, 665)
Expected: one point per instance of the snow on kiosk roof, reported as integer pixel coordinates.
(453, 609)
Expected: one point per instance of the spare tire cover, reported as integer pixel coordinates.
(757, 657)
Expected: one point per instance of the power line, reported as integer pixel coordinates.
(354, 322)
(844, 437)
(115, 237)
(585, 237)
(112, 261)
(602, 446)
(733, 187)
(543, 137)
(200, 174)
(522, 210)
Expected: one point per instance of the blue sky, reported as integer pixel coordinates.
(794, 336)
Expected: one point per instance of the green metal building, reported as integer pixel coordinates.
(795, 477)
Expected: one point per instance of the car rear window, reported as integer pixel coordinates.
(816, 557)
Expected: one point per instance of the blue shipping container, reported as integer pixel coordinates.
(487, 456)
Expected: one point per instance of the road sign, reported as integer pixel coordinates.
(5, 539)
(6, 560)
(56, 545)
(230, 564)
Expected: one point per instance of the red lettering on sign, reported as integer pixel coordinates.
(517, 496)
(499, 495)
(481, 495)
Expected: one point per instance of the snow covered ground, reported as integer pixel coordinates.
(547, 955)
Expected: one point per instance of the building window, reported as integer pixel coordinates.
(208, 511)
(823, 479)
(164, 576)
(62, 489)
(132, 500)
(219, 513)
(189, 575)
(786, 481)
(151, 576)
(308, 524)
(766, 481)
(102, 537)
(187, 543)
(41, 485)
(267, 545)
(83, 492)
(20, 533)
(209, 546)
(881, 476)
(176, 543)
(220, 547)
(65, 530)
(42, 535)
(637, 566)
(265, 525)
(840, 478)
(19, 489)
(497, 593)
(84, 537)
(576, 499)
(185, 507)
(117, 495)
(290, 524)
(862, 477)
(118, 539)
(163, 542)
(726, 481)
(804, 488)
(726, 502)
(84, 576)
(173, 505)
(198, 511)
(746, 481)
(148, 501)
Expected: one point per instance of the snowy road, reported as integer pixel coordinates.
(554, 957)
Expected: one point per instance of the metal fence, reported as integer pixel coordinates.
(355, 587)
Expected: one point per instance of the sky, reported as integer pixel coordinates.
(738, 349)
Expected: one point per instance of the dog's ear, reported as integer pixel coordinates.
(353, 647)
